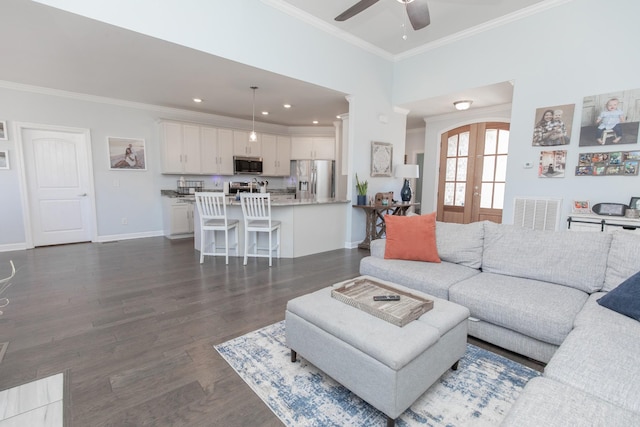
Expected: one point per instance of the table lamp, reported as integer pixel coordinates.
(407, 172)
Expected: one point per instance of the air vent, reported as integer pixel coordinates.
(537, 214)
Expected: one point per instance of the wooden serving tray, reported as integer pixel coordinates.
(360, 291)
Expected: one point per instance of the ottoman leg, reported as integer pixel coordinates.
(391, 422)
(293, 355)
(454, 367)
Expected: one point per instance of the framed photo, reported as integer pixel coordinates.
(381, 158)
(610, 119)
(634, 203)
(3, 130)
(581, 206)
(126, 154)
(4, 160)
(553, 125)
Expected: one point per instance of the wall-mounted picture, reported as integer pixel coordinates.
(4, 160)
(553, 125)
(381, 158)
(126, 153)
(581, 206)
(3, 130)
(552, 164)
(610, 118)
(606, 164)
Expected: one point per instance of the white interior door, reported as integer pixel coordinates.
(58, 183)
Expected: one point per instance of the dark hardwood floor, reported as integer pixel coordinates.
(133, 324)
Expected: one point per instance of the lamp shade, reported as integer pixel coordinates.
(406, 171)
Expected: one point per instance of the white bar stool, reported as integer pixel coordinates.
(213, 217)
(256, 209)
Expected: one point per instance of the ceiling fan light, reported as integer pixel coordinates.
(463, 105)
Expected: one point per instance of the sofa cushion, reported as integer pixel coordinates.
(411, 237)
(545, 402)
(600, 363)
(460, 243)
(623, 260)
(540, 310)
(431, 278)
(625, 298)
(567, 258)
(595, 316)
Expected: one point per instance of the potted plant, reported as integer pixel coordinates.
(361, 187)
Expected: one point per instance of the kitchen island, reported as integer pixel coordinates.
(308, 226)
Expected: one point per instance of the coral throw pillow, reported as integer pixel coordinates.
(411, 238)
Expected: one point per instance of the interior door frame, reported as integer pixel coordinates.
(19, 127)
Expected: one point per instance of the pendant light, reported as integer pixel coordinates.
(253, 137)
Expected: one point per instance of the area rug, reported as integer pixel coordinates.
(479, 393)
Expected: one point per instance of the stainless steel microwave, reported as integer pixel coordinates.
(247, 165)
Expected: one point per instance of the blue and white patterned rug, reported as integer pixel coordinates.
(479, 393)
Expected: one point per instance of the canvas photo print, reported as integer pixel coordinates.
(126, 153)
(553, 125)
(610, 119)
(606, 164)
(552, 164)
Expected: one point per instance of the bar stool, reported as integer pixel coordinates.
(213, 217)
(256, 209)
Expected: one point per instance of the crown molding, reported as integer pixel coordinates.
(287, 8)
(489, 25)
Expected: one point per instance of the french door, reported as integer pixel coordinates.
(473, 166)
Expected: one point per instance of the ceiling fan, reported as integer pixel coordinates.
(417, 10)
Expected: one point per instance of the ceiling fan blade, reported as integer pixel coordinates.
(355, 9)
(418, 11)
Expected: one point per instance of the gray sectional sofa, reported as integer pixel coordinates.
(535, 293)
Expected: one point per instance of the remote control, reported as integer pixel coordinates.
(386, 298)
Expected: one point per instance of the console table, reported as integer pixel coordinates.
(602, 223)
(376, 227)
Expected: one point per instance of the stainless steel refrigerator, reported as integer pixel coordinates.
(315, 179)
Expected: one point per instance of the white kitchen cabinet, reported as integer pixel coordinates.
(276, 155)
(216, 146)
(313, 148)
(177, 217)
(181, 148)
(243, 147)
(193, 149)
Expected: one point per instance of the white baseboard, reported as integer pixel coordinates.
(115, 237)
(13, 247)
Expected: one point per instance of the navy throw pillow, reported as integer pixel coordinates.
(625, 299)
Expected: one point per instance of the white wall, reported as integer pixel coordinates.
(251, 32)
(556, 57)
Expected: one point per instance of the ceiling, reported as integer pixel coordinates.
(60, 50)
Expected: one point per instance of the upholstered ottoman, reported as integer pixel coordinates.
(386, 365)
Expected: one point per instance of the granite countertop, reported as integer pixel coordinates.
(274, 202)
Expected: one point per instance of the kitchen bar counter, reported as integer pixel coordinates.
(308, 226)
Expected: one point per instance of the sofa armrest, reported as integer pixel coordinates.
(377, 248)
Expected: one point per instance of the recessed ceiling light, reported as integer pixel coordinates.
(265, 113)
(198, 100)
(315, 122)
(287, 105)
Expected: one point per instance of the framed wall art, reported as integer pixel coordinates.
(623, 163)
(552, 164)
(3, 130)
(581, 206)
(610, 118)
(4, 160)
(126, 154)
(553, 125)
(381, 158)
